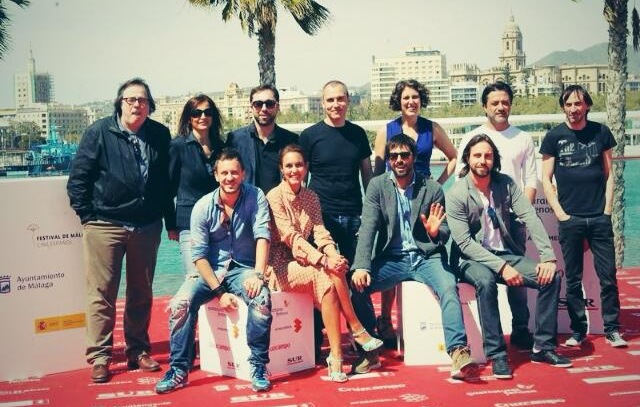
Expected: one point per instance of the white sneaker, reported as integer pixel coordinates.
(615, 339)
(575, 340)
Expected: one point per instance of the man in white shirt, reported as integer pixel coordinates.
(519, 162)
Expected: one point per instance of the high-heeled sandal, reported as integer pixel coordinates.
(372, 344)
(335, 375)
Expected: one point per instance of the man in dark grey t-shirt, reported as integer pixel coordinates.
(578, 154)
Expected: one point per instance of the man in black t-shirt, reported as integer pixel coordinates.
(578, 153)
(338, 153)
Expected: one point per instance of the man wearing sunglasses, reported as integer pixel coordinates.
(260, 142)
(410, 208)
(485, 252)
(119, 187)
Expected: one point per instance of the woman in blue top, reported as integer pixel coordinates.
(409, 97)
(191, 157)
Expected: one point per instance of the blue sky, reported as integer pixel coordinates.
(92, 46)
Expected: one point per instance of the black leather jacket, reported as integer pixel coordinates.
(105, 181)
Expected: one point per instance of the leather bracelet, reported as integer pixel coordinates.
(218, 291)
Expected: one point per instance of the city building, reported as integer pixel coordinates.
(533, 81)
(66, 121)
(233, 103)
(32, 86)
(424, 65)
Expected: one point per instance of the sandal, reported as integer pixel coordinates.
(335, 375)
(370, 345)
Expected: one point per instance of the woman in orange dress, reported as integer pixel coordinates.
(317, 269)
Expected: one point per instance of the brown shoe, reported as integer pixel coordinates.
(144, 363)
(100, 373)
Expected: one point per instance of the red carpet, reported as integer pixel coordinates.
(601, 376)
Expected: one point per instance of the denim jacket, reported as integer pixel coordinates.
(219, 243)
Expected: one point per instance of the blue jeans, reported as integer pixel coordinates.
(598, 232)
(185, 252)
(195, 292)
(344, 231)
(390, 270)
(486, 282)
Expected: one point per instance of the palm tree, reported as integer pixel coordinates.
(616, 14)
(4, 22)
(259, 17)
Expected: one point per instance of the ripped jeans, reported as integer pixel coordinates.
(195, 292)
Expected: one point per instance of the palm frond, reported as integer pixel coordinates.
(5, 19)
(635, 29)
(4, 37)
(22, 3)
(309, 15)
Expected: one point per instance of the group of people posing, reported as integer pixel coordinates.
(269, 210)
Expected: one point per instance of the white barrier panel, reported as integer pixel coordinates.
(223, 338)
(420, 330)
(42, 282)
(590, 281)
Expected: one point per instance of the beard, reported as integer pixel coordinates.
(480, 172)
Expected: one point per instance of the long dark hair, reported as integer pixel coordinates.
(569, 90)
(479, 138)
(184, 126)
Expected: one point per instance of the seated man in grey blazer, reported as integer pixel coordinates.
(478, 207)
(411, 210)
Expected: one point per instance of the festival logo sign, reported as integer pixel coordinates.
(50, 239)
(5, 284)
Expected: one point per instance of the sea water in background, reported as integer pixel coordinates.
(169, 273)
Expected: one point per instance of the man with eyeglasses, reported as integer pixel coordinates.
(483, 251)
(119, 187)
(260, 142)
(410, 208)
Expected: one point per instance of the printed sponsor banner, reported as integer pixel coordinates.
(42, 298)
(223, 338)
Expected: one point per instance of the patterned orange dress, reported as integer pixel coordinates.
(292, 258)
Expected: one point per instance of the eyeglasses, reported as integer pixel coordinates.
(132, 100)
(257, 104)
(494, 217)
(404, 155)
(196, 113)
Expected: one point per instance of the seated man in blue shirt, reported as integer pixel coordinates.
(411, 210)
(230, 248)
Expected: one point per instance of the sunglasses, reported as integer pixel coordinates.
(494, 217)
(257, 104)
(404, 155)
(196, 113)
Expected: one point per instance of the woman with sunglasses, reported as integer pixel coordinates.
(408, 98)
(191, 158)
(303, 257)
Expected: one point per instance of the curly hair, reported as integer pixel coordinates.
(396, 95)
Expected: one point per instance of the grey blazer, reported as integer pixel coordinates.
(380, 212)
(464, 211)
